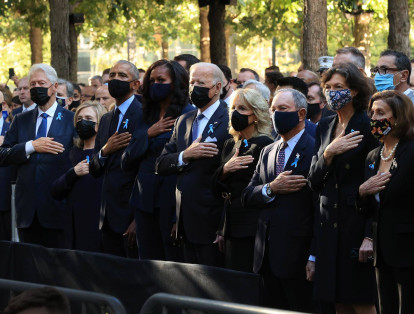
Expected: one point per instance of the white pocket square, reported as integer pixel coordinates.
(210, 140)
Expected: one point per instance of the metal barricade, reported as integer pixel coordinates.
(72, 294)
(14, 234)
(161, 302)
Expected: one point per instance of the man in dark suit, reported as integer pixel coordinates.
(114, 133)
(24, 96)
(279, 186)
(194, 154)
(38, 143)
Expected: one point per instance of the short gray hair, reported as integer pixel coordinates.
(97, 77)
(298, 98)
(218, 76)
(47, 69)
(261, 88)
(133, 70)
(69, 87)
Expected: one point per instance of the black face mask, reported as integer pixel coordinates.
(239, 121)
(39, 95)
(225, 91)
(85, 129)
(284, 121)
(119, 89)
(313, 110)
(199, 96)
(74, 104)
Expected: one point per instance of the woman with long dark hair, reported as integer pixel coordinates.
(165, 98)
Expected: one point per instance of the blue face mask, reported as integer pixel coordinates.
(284, 121)
(384, 82)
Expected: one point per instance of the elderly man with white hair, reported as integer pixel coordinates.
(38, 143)
(193, 154)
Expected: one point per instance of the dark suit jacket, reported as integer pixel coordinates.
(287, 221)
(338, 227)
(17, 110)
(198, 209)
(6, 176)
(117, 184)
(36, 174)
(393, 223)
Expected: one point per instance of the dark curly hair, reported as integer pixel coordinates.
(355, 80)
(179, 96)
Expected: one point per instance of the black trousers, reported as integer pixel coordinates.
(36, 234)
(293, 294)
(5, 225)
(395, 289)
(205, 254)
(239, 253)
(116, 243)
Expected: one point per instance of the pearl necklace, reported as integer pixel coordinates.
(390, 155)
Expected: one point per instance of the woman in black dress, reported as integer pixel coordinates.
(165, 98)
(82, 191)
(387, 196)
(344, 239)
(250, 126)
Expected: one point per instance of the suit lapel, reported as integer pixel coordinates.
(32, 129)
(128, 120)
(213, 123)
(57, 122)
(327, 140)
(297, 154)
(189, 127)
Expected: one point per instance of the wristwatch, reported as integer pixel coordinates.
(269, 191)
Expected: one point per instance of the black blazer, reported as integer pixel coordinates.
(195, 202)
(238, 221)
(338, 227)
(7, 175)
(117, 184)
(288, 220)
(393, 217)
(36, 174)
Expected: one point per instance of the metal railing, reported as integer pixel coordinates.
(72, 294)
(160, 302)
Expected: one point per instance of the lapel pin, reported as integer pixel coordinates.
(59, 116)
(352, 130)
(371, 166)
(211, 130)
(126, 124)
(87, 159)
(246, 144)
(295, 162)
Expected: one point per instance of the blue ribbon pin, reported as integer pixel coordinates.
(211, 130)
(295, 162)
(371, 166)
(245, 143)
(87, 159)
(59, 116)
(352, 130)
(126, 124)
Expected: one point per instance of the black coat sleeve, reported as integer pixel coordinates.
(167, 162)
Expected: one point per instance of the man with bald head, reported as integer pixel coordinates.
(193, 154)
(24, 96)
(308, 76)
(115, 130)
(350, 55)
(103, 97)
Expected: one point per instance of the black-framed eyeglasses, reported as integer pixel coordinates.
(382, 70)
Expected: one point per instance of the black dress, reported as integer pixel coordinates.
(239, 224)
(83, 200)
(339, 277)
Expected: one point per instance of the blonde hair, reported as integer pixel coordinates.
(255, 101)
(99, 110)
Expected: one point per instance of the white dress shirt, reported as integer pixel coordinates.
(202, 123)
(51, 113)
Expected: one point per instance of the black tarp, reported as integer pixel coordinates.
(131, 281)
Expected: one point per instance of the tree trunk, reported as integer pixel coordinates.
(73, 67)
(362, 35)
(164, 48)
(59, 37)
(216, 21)
(314, 33)
(204, 35)
(233, 55)
(399, 25)
(36, 44)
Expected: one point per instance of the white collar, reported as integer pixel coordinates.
(294, 140)
(208, 113)
(50, 112)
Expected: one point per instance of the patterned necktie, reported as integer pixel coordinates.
(196, 124)
(42, 130)
(114, 122)
(280, 164)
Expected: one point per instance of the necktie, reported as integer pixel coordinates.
(114, 122)
(42, 130)
(196, 124)
(280, 164)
